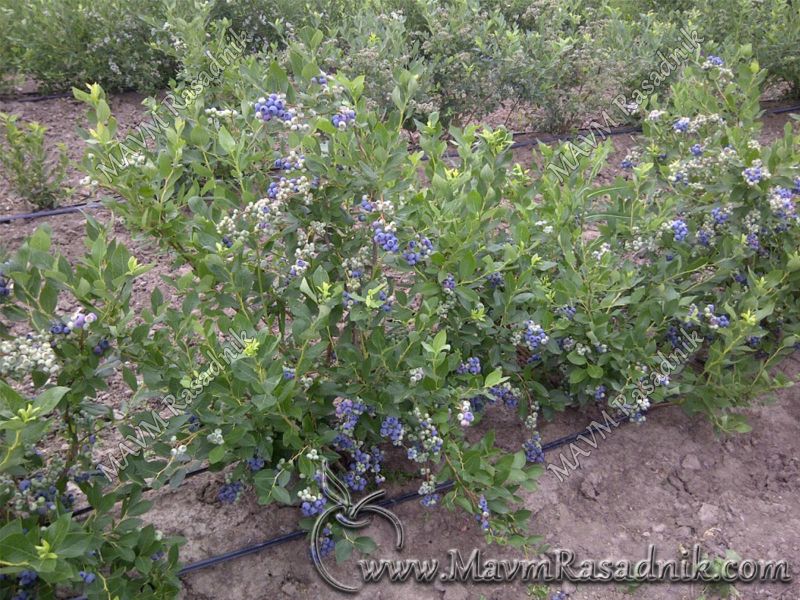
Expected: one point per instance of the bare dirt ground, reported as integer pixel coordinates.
(670, 482)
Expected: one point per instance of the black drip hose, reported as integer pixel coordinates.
(297, 534)
(35, 97)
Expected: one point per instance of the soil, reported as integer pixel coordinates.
(670, 482)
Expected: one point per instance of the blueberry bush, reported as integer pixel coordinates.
(64, 42)
(53, 365)
(558, 61)
(337, 295)
(27, 164)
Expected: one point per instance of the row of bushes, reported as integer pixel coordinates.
(335, 297)
(560, 61)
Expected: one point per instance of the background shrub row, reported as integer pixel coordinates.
(558, 60)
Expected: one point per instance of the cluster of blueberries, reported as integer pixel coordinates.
(495, 280)
(256, 463)
(754, 174)
(680, 230)
(386, 239)
(5, 285)
(311, 509)
(505, 394)
(417, 251)
(101, 347)
(326, 545)
(289, 164)
(682, 125)
(230, 492)
(483, 506)
(28, 577)
(472, 366)
(392, 428)
(533, 449)
(567, 312)
(364, 462)
(273, 107)
(343, 118)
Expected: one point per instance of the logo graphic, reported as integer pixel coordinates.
(347, 514)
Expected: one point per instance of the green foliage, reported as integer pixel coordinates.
(111, 551)
(70, 42)
(560, 62)
(33, 173)
(336, 294)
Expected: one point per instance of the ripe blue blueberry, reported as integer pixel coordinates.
(87, 576)
(681, 125)
(567, 311)
(495, 280)
(753, 341)
(386, 240)
(256, 463)
(326, 545)
(720, 215)
(430, 500)
(27, 577)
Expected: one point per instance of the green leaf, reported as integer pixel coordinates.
(49, 399)
(575, 358)
(467, 265)
(139, 508)
(595, 371)
(440, 342)
(306, 289)
(16, 548)
(281, 495)
(217, 454)
(365, 544)
(40, 240)
(48, 297)
(494, 378)
(577, 375)
(10, 398)
(343, 550)
(226, 140)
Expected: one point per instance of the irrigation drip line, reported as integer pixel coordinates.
(299, 533)
(782, 110)
(558, 137)
(546, 139)
(64, 210)
(35, 97)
